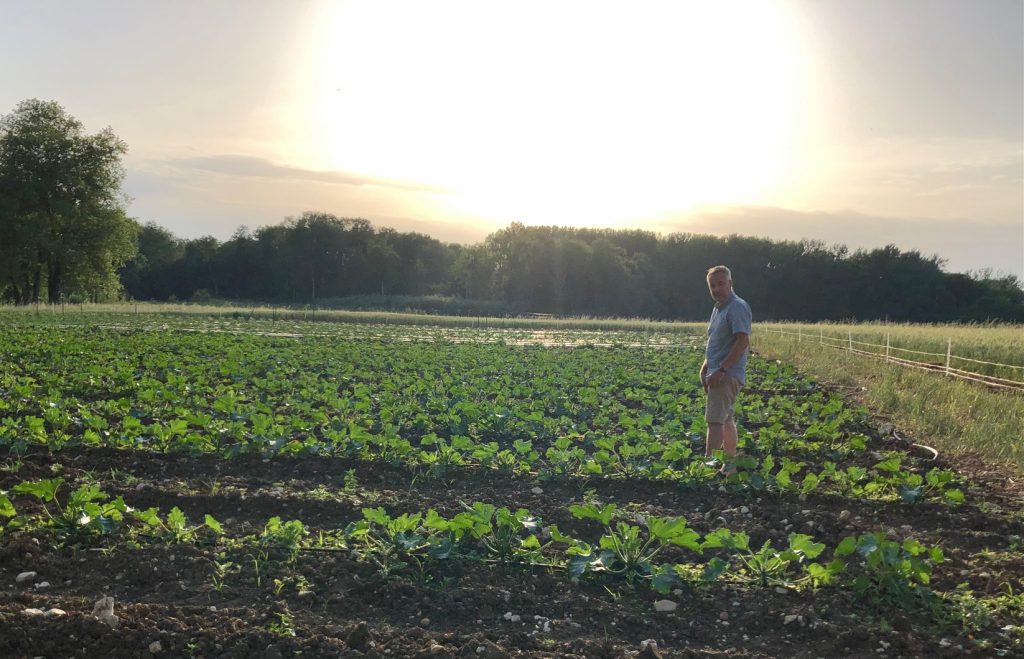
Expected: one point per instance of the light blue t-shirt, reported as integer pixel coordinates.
(731, 317)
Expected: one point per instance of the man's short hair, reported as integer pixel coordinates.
(720, 268)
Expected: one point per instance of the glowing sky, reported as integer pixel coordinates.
(864, 122)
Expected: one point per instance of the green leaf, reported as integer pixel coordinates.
(674, 531)
(846, 546)
(805, 545)
(810, 483)
(891, 465)
(910, 494)
(726, 539)
(44, 490)
(149, 517)
(6, 507)
(715, 568)
(558, 536)
(85, 494)
(176, 520)
(213, 524)
(530, 542)
(590, 511)
(435, 521)
(954, 496)
(441, 548)
(377, 516)
(868, 544)
(579, 563)
(663, 578)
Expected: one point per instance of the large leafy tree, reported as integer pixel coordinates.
(63, 227)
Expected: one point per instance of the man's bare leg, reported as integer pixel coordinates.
(722, 436)
(716, 437)
(729, 437)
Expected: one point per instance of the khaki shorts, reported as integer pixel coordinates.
(722, 400)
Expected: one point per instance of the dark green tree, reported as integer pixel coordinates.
(62, 220)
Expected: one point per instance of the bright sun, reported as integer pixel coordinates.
(562, 113)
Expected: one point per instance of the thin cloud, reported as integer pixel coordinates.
(963, 244)
(250, 166)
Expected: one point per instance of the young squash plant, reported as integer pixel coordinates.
(393, 543)
(505, 536)
(87, 510)
(769, 566)
(892, 572)
(626, 550)
(175, 527)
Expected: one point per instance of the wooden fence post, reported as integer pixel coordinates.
(887, 348)
(849, 338)
(949, 354)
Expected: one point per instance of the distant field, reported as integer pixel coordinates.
(88, 313)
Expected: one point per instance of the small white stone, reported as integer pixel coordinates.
(42, 585)
(780, 590)
(791, 618)
(664, 606)
(537, 490)
(34, 612)
(516, 618)
(480, 649)
(649, 642)
(508, 615)
(156, 647)
(424, 622)
(56, 613)
(945, 643)
(25, 576)
(744, 510)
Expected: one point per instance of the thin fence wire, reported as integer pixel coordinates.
(885, 353)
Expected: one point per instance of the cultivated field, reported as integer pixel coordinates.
(244, 486)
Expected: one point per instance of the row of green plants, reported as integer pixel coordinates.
(680, 461)
(643, 549)
(579, 412)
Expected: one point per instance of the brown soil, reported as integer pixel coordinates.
(167, 593)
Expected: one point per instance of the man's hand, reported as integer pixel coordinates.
(714, 380)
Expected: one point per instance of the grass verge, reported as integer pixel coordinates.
(950, 415)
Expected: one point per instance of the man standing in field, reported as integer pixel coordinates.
(724, 370)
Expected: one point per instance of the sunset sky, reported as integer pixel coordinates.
(861, 122)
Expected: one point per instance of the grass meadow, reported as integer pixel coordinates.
(946, 413)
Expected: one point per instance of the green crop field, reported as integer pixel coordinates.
(388, 488)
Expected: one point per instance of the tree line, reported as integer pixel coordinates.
(318, 258)
(64, 234)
